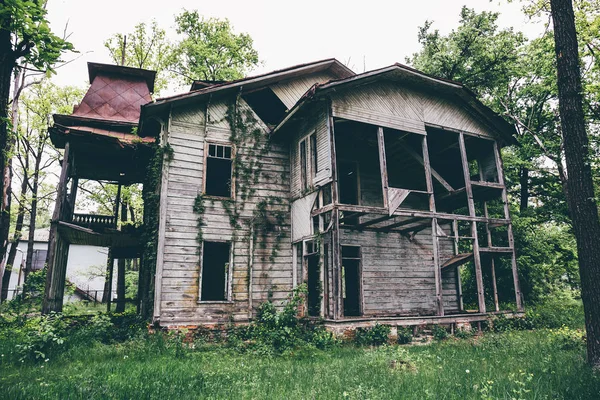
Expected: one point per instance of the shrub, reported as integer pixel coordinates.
(463, 334)
(44, 336)
(374, 336)
(439, 332)
(405, 335)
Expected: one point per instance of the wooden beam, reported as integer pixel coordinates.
(492, 261)
(434, 173)
(461, 306)
(402, 223)
(471, 205)
(457, 260)
(335, 221)
(382, 164)
(374, 221)
(56, 268)
(511, 240)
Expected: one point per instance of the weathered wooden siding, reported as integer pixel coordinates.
(291, 90)
(391, 105)
(398, 274)
(317, 124)
(272, 271)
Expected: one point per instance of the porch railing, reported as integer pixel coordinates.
(94, 221)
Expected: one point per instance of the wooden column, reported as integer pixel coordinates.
(511, 240)
(383, 165)
(336, 259)
(439, 300)
(459, 294)
(58, 249)
(471, 204)
(121, 269)
(73, 196)
(492, 261)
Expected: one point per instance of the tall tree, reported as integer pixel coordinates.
(39, 103)
(24, 36)
(210, 50)
(580, 194)
(146, 47)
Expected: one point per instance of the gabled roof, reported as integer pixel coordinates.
(409, 75)
(254, 82)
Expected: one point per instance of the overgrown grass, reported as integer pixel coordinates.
(525, 364)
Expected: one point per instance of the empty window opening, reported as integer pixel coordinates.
(404, 158)
(303, 164)
(215, 271)
(39, 259)
(218, 176)
(445, 159)
(313, 279)
(351, 290)
(482, 159)
(348, 178)
(313, 155)
(357, 162)
(269, 108)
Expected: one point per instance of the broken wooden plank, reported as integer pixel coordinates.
(457, 260)
(395, 198)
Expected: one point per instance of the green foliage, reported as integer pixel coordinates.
(276, 332)
(30, 34)
(376, 335)
(405, 335)
(210, 50)
(463, 334)
(519, 365)
(439, 332)
(147, 47)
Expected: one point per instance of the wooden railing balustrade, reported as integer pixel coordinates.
(93, 220)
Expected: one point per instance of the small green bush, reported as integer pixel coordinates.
(374, 336)
(439, 332)
(463, 334)
(405, 335)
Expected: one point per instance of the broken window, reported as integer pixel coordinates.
(215, 271)
(308, 160)
(217, 175)
(313, 277)
(303, 164)
(351, 280)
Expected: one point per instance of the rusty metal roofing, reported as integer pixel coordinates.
(116, 93)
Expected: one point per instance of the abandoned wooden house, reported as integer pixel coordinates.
(374, 190)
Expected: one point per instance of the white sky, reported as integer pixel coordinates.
(380, 32)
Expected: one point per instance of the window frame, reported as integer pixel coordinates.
(207, 145)
(228, 281)
(308, 173)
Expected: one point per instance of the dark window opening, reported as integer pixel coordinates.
(351, 280)
(266, 105)
(313, 155)
(218, 170)
(303, 165)
(314, 285)
(348, 182)
(215, 270)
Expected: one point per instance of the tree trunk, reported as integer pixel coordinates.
(33, 213)
(580, 196)
(7, 62)
(524, 194)
(10, 260)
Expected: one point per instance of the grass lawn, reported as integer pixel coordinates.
(514, 365)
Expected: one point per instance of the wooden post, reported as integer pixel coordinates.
(250, 269)
(511, 240)
(338, 309)
(459, 294)
(116, 209)
(439, 300)
(73, 196)
(492, 262)
(471, 204)
(57, 250)
(383, 165)
(121, 269)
